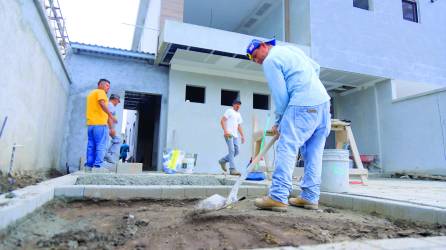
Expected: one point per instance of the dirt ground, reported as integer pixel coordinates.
(21, 180)
(149, 224)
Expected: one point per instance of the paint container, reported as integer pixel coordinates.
(335, 171)
(188, 164)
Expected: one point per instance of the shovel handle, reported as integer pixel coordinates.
(261, 153)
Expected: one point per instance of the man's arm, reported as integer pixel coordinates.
(223, 126)
(277, 85)
(240, 130)
(105, 108)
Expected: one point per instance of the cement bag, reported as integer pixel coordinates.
(172, 160)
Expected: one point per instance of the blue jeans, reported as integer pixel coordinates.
(305, 128)
(115, 144)
(233, 150)
(97, 145)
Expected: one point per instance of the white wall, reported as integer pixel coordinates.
(33, 89)
(300, 22)
(197, 126)
(409, 135)
(151, 29)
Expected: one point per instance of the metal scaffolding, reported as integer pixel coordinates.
(57, 22)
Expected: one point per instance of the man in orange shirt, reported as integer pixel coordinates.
(97, 114)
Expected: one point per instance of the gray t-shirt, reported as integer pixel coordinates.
(112, 109)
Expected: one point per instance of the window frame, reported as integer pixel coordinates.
(369, 5)
(415, 10)
(262, 94)
(195, 86)
(228, 90)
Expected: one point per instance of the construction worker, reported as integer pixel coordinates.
(302, 109)
(125, 148)
(231, 124)
(112, 152)
(97, 115)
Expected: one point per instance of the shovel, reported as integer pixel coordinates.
(217, 202)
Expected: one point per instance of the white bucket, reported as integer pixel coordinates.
(188, 165)
(335, 171)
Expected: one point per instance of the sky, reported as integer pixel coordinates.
(101, 22)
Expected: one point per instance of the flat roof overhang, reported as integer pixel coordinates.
(177, 35)
(205, 50)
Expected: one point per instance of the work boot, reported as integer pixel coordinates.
(223, 166)
(299, 202)
(269, 204)
(234, 172)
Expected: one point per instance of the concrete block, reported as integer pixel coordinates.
(223, 191)
(326, 199)
(72, 191)
(342, 201)
(195, 192)
(122, 192)
(256, 192)
(173, 192)
(365, 205)
(129, 168)
(404, 211)
(242, 191)
(403, 243)
(440, 215)
(384, 208)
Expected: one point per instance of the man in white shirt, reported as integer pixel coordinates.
(231, 124)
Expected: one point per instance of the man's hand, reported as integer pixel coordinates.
(227, 134)
(112, 132)
(275, 129)
(114, 119)
(243, 139)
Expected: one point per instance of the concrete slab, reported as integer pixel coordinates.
(430, 193)
(129, 168)
(71, 191)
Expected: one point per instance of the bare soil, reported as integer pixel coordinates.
(21, 180)
(149, 224)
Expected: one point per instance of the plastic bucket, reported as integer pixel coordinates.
(335, 171)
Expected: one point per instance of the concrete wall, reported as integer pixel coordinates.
(299, 11)
(380, 42)
(197, 126)
(271, 26)
(151, 28)
(409, 135)
(124, 75)
(34, 89)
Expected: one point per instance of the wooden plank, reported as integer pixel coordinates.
(355, 154)
(354, 148)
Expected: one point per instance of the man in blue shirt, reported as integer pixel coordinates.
(125, 148)
(302, 109)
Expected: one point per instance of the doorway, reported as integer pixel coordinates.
(144, 127)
